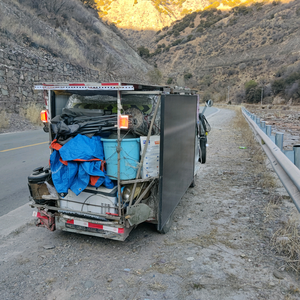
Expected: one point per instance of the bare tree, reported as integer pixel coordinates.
(111, 64)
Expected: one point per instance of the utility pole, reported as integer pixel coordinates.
(228, 95)
(262, 93)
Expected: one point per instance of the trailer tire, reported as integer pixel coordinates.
(193, 183)
(202, 150)
(167, 226)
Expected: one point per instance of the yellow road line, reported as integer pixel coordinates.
(23, 147)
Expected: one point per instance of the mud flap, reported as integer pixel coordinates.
(137, 214)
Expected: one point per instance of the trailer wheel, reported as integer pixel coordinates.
(202, 150)
(167, 226)
(193, 183)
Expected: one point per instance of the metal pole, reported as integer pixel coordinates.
(262, 92)
(228, 94)
(119, 149)
(279, 140)
(296, 149)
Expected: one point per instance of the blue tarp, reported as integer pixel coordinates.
(76, 174)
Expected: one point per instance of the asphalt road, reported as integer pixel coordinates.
(20, 153)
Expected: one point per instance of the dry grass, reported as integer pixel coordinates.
(157, 286)
(51, 280)
(4, 121)
(201, 240)
(286, 242)
(32, 113)
(167, 268)
(271, 210)
(22, 261)
(257, 154)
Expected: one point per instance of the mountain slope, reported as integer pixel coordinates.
(68, 31)
(157, 14)
(215, 50)
(146, 15)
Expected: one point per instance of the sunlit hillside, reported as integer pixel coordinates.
(216, 51)
(157, 14)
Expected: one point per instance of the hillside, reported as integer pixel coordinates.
(157, 14)
(218, 52)
(68, 31)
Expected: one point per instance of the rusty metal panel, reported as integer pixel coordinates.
(177, 151)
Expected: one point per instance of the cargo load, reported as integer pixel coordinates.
(120, 154)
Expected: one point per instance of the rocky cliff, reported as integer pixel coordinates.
(59, 40)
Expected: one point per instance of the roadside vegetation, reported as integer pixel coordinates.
(4, 121)
(32, 113)
(286, 239)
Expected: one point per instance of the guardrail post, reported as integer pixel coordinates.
(296, 149)
(268, 130)
(263, 126)
(279, 140)
(258, 121)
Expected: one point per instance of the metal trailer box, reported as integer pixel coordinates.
(178, 156)
(177, 152)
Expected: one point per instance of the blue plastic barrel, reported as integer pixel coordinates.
(129, 158)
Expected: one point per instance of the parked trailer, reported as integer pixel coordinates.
(121, 154)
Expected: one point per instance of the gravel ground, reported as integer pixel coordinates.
(219, 246)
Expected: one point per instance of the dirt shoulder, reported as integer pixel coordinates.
(219, 247)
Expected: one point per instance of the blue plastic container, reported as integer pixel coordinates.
(129, 158)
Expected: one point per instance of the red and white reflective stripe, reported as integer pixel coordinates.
(82, 86)
(94, 225)
(38, 215)
(110, 83)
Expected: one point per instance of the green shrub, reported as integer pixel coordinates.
(177, 42)
(253, 95)
(250, 85)
(143, 51)
(170, 80)
(242, 10)
(187, 76)
(292, 78)
(278, 86)
(276, 2)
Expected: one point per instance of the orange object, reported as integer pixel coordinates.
(123, 121)
(44, 116)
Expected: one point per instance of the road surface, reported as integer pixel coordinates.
(20, 153)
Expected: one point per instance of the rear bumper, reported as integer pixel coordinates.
(94, 228)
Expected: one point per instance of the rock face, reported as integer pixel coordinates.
(20, 70)
(79, 47)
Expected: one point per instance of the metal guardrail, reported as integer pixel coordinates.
(283, 165)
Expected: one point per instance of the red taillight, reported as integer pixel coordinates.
(123, 121)
(44, 116)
